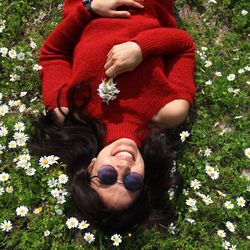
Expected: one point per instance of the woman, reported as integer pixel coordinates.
(119, 158)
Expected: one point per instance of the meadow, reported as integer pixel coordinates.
(212, 211)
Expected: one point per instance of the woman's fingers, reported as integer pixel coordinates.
(131, 3)
(116, 13)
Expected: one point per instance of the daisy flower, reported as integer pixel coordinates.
(37, 67)
(117, 239)
(72, 222)
(22, 211)
(207, 152)
(241, 202)
(191, 221)
(12, 144)
(52, 183)
(191, 202)
(52, 159)
(38, 210)
(19, 126)
(55, 192)
(9, 189)
(231, 77)
(63, 178)
(229, 205)
(247, 152)
(226, 244)
(89, 237)
(231, 227)
(184, 135)
(244, 12)
(4, 177)
(43, 162)
(46, 233)
(83, 225)
(208, 63)
(221, 233)
(207, 200)
(60, 199)
(3, 109)
(12, 54)
(195, 184)
(30, 171)
(6, 226)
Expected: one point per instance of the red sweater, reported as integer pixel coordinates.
(77, 51)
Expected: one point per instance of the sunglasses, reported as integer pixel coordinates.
(107, 175)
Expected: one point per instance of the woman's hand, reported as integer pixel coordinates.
(60, 117)
(107, 8)
(122, 58)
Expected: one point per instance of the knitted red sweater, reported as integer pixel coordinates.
(77, 51)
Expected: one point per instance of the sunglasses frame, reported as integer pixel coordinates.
(111, 167)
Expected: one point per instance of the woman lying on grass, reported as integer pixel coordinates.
(117, 143)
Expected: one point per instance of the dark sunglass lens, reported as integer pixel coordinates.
(107, 175)
(133, 182)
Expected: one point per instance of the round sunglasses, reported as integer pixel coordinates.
(107, 175)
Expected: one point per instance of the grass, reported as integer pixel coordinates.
(220, 124)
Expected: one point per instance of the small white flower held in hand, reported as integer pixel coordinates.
(72, 222)
(117, 239)
(89, 237)
(6, 226)
(22, 211)
(107, 90)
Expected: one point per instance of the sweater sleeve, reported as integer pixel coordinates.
(164, 41)
(56, 53)
(178, 49)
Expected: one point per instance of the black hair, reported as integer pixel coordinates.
(80, 138)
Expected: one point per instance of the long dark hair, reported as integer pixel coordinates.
(79, 139)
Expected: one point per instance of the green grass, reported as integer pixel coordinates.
(219, 119)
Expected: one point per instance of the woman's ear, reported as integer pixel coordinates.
(91, 165)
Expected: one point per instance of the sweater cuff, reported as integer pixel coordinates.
(146, 45)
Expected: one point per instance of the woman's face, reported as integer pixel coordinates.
(123, 155)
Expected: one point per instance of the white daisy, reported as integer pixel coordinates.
(46, 233)
(55, 192)
(83, 225)
(226, 244)
(214, 175)
(9, 189)
(12, 54)
(184, 135)
(60, 199)
(231, 77)
(117, 239)
(208, 63)
(218, 73)
(1, 190)
(191, 221)
(209, 82)
(43, 162)
(52, 183)
(72, 222)
(22, 211)
(12, 144)
(207, 152)
(244, 12)
(38, 210)
(30, 171)
(63, 178)
(233, 247)
(4, 177)
(247, 152)
(241, 202)
(221, 233)
(3, 109)
(6, 226)
(20, 56)
(191, 202)
(207, 200)
(229, 205)
(37, 67)
(89, 237)
(19, 126)
(52, 159)
(231, 227)
(195, 184)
